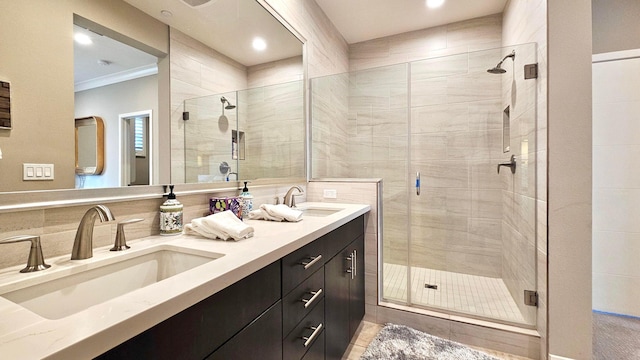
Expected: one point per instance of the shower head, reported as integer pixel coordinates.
(498, 68)
(229, 106)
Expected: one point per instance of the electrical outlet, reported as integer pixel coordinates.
(330, 194)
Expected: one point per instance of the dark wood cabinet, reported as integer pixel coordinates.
(306, 305)
(344, 283)
(199, 330)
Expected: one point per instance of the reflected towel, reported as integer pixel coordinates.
(223, 225)
(279, 212)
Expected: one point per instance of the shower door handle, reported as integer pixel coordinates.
(418, 183)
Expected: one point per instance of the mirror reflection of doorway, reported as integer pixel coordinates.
(135, 148)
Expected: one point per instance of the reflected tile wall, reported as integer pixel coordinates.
(274, 132)
(196, 71)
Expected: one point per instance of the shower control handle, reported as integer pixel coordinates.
(511, 164)
(418, 183)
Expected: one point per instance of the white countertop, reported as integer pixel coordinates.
(88, 333)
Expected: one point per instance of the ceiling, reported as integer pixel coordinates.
(229, 26)
(361, 20)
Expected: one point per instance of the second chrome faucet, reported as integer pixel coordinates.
(83, 244)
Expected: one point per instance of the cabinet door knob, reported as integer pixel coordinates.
(315, 294)
(309, 339)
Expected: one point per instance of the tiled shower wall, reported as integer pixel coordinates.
(519, 189)
(377, 120)
(526, 22)
(456, 128)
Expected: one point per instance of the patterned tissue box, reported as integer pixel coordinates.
(234, 204)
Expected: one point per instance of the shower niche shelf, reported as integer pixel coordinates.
(237, 145)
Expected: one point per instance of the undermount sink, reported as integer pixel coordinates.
(318, 211)
(106, 280)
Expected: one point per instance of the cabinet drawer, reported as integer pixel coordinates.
(338, 239)
(317, 349)
(301, 263)
(262, 337)
(307, 332)
(294, 308)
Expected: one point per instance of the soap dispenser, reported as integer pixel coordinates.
(247, 201)
(171, 215)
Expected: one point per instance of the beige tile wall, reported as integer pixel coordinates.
(57, 226)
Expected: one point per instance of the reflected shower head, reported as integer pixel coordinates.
(229, 106)
(498, 68)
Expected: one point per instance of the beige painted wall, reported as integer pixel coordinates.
(37, 58)
(615, 25)
(125, 97)
(569, 176)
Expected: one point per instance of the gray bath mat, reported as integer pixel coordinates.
(399, 342)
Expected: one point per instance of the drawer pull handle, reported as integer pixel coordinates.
(315, 294)
(309, 339)
(314, 259)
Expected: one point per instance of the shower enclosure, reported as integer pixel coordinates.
(457, 235)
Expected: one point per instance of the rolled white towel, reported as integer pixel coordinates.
(223, 225)
(282, 211)
(259, 214)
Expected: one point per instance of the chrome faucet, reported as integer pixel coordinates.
(35, 262)
(83, 245)
(288, 197)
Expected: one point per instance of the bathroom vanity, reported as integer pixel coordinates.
(293, 291)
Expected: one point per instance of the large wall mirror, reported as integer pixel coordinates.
(130, 68)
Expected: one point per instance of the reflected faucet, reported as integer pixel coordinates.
(232, 173)
(288, 197)
(83, 244)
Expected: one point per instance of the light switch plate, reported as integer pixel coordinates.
(330, 194)
(36, 172)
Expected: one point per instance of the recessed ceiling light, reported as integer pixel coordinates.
(166, 13)
(259, 44)
(432, 4)
(83, 39)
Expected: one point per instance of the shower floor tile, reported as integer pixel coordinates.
(469, 294)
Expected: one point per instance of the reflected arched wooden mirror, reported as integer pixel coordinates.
(89, 145)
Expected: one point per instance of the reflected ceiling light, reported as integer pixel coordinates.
(196, 3)
(83, 39)
(259, 44)
(432, 4)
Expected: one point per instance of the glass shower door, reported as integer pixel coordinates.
(471, 247)
(208, 151)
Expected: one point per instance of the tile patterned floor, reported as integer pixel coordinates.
(468, 294)
(368, 331)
